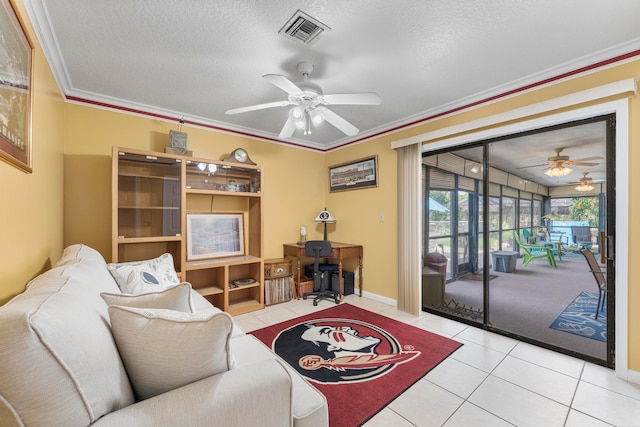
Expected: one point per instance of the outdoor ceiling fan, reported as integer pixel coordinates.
(309, 102)
(557, 166)
(585, 183)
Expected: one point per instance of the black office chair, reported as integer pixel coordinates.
(321, 272)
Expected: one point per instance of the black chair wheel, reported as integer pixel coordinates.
(315, 302)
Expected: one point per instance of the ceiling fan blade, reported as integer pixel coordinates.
(533, 166)
(339, 122)
(283, 83)
(586, 159)
(258, 107)
(577, 163)
(288, 128)
(365, 98)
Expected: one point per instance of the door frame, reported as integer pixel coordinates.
(621, 110)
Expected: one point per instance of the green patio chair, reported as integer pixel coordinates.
(532, 252)
(554, 247)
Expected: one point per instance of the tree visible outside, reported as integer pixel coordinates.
(584, 209)
(577, 209)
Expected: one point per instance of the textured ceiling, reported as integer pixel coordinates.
(196, 59)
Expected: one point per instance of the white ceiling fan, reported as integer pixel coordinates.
(557, 165)
(309, 103)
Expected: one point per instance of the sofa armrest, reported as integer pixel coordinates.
(254, 395)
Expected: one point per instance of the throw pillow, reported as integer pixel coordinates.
(164, 349)
(176, 298)
(145, 276)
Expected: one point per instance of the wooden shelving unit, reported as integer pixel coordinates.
(151, 197)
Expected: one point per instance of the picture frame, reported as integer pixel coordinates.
(354, 175)
(15, 89)
(214, 235)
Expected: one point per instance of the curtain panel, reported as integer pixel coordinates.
(409, 229)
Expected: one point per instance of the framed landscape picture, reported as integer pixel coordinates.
(354, 175)
(214, 235)
(15, 89)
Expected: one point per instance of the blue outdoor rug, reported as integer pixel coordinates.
(579, 318)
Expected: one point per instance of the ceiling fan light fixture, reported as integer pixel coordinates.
(300, 124)
(584, 187)
(558, 171)
(316, 117)
(296, 113)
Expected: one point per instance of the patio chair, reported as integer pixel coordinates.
(582, 236)
(554, 246)
(601, 279)
(536, 251)
(526, 234)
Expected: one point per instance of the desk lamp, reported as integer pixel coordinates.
(324, 217)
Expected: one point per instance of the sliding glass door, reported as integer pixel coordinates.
(453, 245)
(501, 248)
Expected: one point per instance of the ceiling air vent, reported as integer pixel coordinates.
(303, 29)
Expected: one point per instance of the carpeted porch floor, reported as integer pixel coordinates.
(528, 300)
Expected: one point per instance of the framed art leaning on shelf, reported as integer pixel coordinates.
(214, 235)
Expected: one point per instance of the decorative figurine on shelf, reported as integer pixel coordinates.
(303, 235)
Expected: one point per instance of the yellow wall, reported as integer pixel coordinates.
(295, 184)
(31, 212)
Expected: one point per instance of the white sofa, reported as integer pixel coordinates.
(60, 366)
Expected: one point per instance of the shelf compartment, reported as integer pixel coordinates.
(138, 249)
(241, 287)
(220, 262)
(222, 177)
(207, 280)
(210, 290)
(243, 305)
(149, 196)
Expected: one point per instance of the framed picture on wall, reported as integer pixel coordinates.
(15, 89)
(362, 173)
(214, 235)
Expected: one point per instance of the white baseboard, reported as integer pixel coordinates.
(380, 298)
(633, 376)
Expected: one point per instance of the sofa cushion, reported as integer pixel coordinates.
(202, 305)
(60, 365)
(309, 405)
(165, 349)
(145, 276)
(176, 298)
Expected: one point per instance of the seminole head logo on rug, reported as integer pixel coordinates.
(337, 350)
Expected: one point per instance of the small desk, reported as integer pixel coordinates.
(339, 251)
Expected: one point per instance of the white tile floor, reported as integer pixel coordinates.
(490, 381)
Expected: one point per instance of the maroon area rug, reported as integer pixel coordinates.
(358, 359)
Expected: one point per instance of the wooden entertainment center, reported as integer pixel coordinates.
(153, 195)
